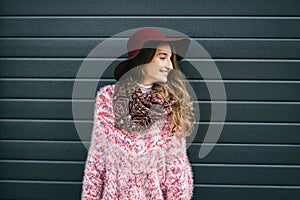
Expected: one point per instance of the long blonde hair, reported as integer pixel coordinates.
(182, 116)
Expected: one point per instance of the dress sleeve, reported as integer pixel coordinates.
(94, 173)
(179, 180)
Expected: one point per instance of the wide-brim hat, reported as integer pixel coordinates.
(138, 41)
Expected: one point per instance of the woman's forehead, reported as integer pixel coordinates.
(164, 48)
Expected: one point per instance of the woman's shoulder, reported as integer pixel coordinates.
(107, 91)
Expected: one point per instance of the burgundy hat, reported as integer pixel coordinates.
(138, 40)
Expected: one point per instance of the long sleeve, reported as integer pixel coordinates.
(108, 170)
(94, 174)
(179, 182)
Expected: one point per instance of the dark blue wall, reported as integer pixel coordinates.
(255, 45)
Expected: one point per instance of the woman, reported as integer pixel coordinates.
(138, 147)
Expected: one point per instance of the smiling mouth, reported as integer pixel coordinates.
(164, 71)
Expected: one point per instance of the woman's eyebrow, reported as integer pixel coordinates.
(163, 53)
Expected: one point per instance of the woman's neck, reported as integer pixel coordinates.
(145, 88)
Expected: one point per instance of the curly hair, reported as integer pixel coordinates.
(182, 116)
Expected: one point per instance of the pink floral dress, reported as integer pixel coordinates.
(123, 166)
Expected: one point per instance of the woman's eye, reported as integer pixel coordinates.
(162, 58)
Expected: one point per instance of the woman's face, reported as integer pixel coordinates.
(159, 67)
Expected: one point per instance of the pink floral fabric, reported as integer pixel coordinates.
(151, 165)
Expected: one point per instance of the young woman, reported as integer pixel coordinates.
(138, 147)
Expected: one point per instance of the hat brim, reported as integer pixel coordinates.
(180, 46)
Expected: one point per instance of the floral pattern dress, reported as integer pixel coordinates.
(151, 165)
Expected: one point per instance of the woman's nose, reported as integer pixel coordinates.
(169, 65)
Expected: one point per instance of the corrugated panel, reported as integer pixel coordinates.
(233, 132)
(235, 89)
(210, 173)
(217, 48)
(240, 69)
(154, 7)
(255, 45)
(222, 153)
(86, 26)
(238, 111)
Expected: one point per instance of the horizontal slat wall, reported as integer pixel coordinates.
(217, 48)
(266, 27)
(255, 45)
(243, 69)
(235, 90)
(152, 8)
(237, 132)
